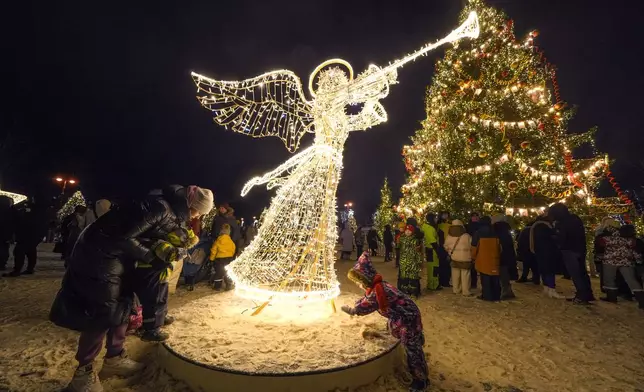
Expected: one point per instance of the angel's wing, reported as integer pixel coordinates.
(272, 104)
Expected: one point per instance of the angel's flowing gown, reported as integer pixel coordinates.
(292, 256)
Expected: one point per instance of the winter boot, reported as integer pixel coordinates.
(419, 385)
(168, 320)
(552, 293)
(12, 274)
(639, 295)
(611, 296)
(154, 335)
(120, 366)
(85, 380)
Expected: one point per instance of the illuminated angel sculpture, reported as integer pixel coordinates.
(291, 258)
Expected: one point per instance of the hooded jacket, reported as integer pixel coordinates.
(508, 254)
(486, 251)
(222, 248)
(404, 320)
(458, 246)
(569, 228)
(97, 289)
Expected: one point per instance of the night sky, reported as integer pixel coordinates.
(102, 90)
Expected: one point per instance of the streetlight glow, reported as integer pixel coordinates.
(59, 179)
(72, 181)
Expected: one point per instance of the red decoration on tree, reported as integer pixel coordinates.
(617, 188)
(571, 174)
(532, 189)
(541, 126)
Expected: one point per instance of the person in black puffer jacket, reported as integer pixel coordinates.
(98, 287)
(571, 238)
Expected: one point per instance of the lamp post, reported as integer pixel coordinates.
(64, 182)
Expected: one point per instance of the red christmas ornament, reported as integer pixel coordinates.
(504, 74)
(541, 126)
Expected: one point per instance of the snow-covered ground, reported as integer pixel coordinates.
(528, 344)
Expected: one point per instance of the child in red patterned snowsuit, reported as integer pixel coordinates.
(404, 321)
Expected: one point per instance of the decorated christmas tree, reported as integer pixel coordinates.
(496, 137)
(385, 213)
(77, 199)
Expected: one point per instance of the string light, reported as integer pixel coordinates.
(291, 258)
(495, 134)
(17, 198)
(77, 199)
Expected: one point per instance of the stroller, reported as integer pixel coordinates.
(196, 268)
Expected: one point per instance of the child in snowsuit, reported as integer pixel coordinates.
(152, 281)
(403, 317)
(411, 261)
(221, 254)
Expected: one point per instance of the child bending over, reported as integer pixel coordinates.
(403, 317)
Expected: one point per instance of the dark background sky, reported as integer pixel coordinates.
(102, 90)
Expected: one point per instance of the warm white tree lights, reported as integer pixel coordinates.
(291, 258)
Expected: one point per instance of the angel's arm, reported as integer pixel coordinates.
(272, 104)
(372, 114)
(273, 176)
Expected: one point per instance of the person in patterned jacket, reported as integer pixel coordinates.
(620, 254)
(403, 316)
(411, 262)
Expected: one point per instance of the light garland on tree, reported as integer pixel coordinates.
(77, 199)
(17, 197)
(493, 137)
(291, 259)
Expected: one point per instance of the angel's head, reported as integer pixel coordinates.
(331, 79)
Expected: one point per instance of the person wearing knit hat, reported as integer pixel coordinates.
(200, 200)
(403, 316)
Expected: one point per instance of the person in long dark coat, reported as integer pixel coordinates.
(98, 287)
(508, 255)
(571, 238)
(388, 239)
(30, 227)
(543, 247)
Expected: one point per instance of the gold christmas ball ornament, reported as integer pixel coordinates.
(525, 145)
(482, 154)
(550, 162)
(514, 65)
(513, 185)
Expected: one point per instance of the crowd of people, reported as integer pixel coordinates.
(120, 260)
(485, 252)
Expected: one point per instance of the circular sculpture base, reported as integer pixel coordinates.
(216, 345)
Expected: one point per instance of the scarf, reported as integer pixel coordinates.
(381, 297)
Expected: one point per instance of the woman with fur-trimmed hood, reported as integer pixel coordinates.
(458, 246)
(403, 316)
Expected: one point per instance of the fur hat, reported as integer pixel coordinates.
(200, 199)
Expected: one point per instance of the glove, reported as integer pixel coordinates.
(182, 253)
(166, 274)
(348, 310)
(165, 251)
